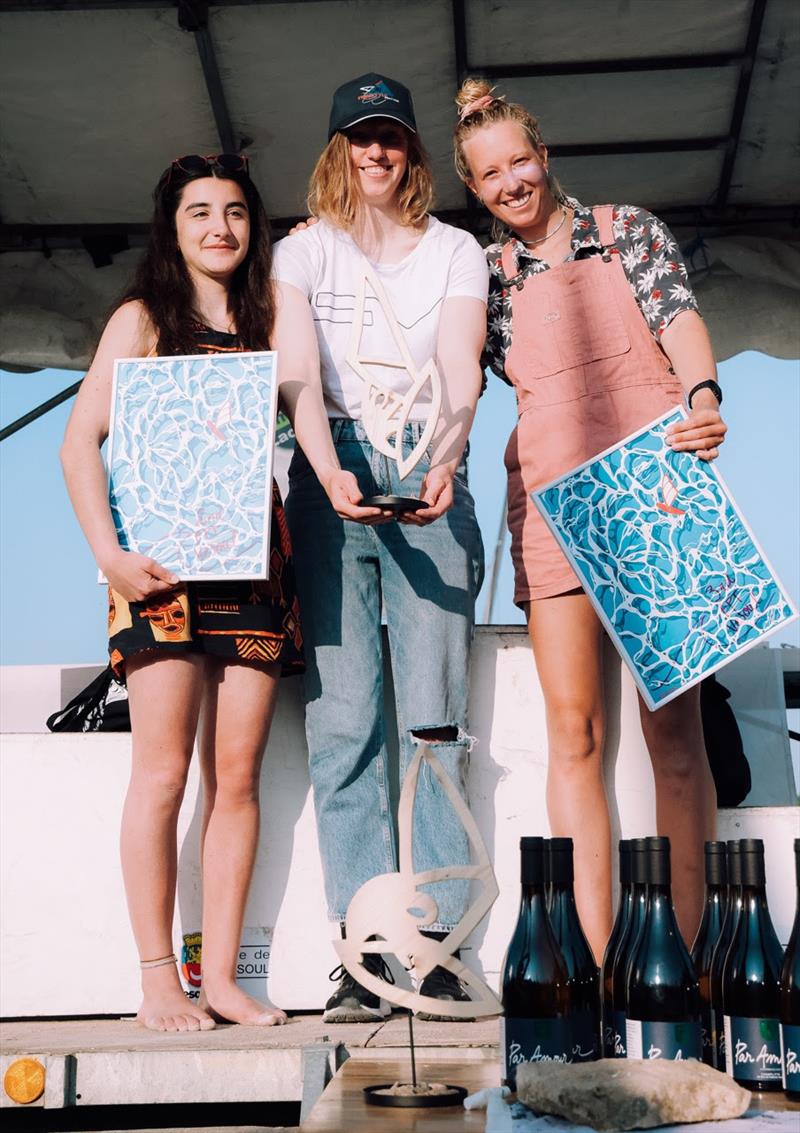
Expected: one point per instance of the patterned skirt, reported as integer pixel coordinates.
(252, 621)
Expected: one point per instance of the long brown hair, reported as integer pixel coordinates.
(333, 192)
(163, 284)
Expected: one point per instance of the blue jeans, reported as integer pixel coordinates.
(427, 579)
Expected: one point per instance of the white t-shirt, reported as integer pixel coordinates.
(327, 265)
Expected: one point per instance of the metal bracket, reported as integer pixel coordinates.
(320, 1063)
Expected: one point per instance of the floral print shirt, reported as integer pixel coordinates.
(651, 260)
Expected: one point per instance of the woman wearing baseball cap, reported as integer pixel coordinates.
(371, 190)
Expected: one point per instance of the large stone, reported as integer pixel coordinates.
(630, 1094)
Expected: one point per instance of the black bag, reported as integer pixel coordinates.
(100, 707)
(726, 756)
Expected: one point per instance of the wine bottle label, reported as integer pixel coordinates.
(614, 1035)
(676, 1041)
(718, 1026)
(534, 1040)
(753, 1049)
(708, 1035)
(790, 1056)
(585, 1035)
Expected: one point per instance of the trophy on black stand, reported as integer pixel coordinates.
(386, 915)
(385, 412)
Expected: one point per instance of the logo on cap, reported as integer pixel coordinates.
(376, 94)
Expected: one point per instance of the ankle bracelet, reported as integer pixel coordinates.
(162, 961)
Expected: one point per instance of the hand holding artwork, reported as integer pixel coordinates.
(136, 577)
(702, 432)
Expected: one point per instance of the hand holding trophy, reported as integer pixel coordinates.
(385, 411)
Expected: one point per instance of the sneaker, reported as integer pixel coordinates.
(352, 1003)
(443, 985)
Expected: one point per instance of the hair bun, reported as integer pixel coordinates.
(471, 90)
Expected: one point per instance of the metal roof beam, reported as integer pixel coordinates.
(193, 17)
(117, 5)
(740, 102)
(659, 145)
(608, 66)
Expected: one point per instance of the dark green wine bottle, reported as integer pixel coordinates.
(706, 940)
(790, 998)
(628, 942)
(584, 977)
(720, 953)
(751, 982)
(614, 1039)
(663, 1011)
(548, 884)
(535, 988)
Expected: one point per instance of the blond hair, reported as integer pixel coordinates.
(333, 191)
(494, 109)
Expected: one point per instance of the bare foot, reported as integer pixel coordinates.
(164, 1005)
(227, 1003)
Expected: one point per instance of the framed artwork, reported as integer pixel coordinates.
(666, 558)
(190, 455)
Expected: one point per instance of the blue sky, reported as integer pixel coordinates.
(52, 609)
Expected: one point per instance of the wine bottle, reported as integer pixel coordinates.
(706, 941)
(548, 883)
(720, 953)
(790, 998)
(630, 939)
(613, 1035)
(751, 982)
(663, 1011)
(535, 980)
(584, 977)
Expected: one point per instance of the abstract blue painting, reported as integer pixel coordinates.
(666, 558)
(190, 461)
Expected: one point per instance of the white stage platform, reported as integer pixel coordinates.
(66, 947)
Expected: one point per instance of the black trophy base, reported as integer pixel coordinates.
(397, 504)
(380, 1095)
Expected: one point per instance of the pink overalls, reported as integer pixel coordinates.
(587, 371)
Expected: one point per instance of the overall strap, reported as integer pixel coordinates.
(603, 215)
(508, 261)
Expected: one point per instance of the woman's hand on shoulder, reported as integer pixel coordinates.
(302, 225)
(702, 432)
(136, 577)
(437, 491)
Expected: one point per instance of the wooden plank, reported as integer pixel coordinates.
(342, 1106)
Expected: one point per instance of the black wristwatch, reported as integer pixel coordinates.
(710, 384)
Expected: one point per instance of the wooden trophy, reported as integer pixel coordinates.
(386, 915)
(385, 412)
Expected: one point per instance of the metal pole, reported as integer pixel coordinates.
(45, 407)
(496, 560)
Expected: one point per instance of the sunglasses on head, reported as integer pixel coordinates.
(202, 163)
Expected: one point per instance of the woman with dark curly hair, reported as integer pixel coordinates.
(203, 286)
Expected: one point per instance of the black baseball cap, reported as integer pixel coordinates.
(371, 96)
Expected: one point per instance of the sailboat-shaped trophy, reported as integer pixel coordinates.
(386, 915)
(385, 411)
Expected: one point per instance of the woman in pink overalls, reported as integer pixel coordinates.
(591, 320)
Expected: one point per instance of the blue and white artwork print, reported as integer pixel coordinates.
(190, 461)
(666, 558)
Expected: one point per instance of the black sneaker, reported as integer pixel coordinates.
(352, 1003)
(443, 985)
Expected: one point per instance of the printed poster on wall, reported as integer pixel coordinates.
(666, 558)
(190, 461)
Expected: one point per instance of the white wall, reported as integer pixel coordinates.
(66, 947)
